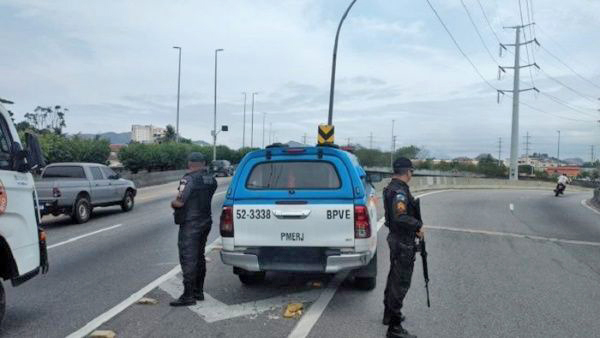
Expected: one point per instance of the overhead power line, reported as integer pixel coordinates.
(569, 67)
(567, 105)
(478, 32)
(458, 46)
(527, 46)
(488, 21)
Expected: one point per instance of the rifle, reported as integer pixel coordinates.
(423, 250)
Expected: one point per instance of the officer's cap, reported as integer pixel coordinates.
(403, 163)
(196, 157)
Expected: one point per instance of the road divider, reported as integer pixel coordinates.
(71, 240)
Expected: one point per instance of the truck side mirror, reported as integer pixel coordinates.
(19, 158)
(35, 156)
(374, 177)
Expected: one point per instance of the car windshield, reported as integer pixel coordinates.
(293, 175)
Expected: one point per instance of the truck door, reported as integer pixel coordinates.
(18, 224)
(101, 190)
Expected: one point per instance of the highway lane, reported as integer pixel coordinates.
(485, 285)
(92, 274)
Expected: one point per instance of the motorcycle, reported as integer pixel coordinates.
(560, 189)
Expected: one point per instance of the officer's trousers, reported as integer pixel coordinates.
(191, 243)
(402, 263)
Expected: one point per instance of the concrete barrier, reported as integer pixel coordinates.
(441, 183)
(154, 178)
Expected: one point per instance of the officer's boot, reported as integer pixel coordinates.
(199, 287)
(395, 330)
(187, 298)
(387, 317)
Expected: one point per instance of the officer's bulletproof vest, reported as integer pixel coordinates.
(197, 207)
(397, 228)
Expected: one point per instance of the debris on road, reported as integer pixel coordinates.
(147, 301)
(103, 334)
(316, 285)
(293, 310)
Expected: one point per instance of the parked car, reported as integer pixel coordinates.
(76, 188)
(23, 251)
(306, 209)
(222, 168)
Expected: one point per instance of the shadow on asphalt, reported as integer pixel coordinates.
(52, 222)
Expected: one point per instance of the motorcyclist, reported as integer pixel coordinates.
(561, 183)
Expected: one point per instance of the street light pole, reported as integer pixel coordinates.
(252, 122)
(333, 64)
(178, 91)
(215, 110)
(263, 129)
(244, 132)
(558, 151)
(393, 146)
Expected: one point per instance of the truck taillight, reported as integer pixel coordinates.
(56, 192)
(3, 199)
(226, 225)
(362, 225)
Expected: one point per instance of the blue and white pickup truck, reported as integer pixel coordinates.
(306, 209)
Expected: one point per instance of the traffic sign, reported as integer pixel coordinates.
(326, 134)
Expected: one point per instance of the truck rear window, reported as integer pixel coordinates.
(294, 175)
(64, 172)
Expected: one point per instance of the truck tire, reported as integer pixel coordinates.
(252, 278)
(128, 201)
(368, 276)
(82, 210)
(2, 303)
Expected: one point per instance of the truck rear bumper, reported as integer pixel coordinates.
(331, 262)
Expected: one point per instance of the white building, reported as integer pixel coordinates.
(146, 134)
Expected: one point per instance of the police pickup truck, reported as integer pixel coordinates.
(22, 243)
(309, 209)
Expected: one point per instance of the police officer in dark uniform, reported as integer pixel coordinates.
(193, 214)
(404, 228)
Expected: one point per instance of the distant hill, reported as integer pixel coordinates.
(573, 161)
(112, 137)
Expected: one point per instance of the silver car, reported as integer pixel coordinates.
(76, 188)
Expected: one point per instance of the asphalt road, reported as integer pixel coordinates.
(123, 252)
(502, 263)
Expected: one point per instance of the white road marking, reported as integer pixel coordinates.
(310, 318)
(585, 204)
(84, 236)
(511, 207)
(108, 315)
(514, 235)
(212, 310)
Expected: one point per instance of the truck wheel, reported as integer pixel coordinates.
(128, 202)
(82, 211)
(2, 303)
(252, 278)
(366, 278)
(365, 283)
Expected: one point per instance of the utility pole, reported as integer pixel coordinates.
(592, 153)
(499, 150)
(252, 122)
(304, 138)
(178, 90)
(558, 150)
(371, 141)
(527, 143)
(270, 132)
(393, 147)
(348, 141)
(514, 141)
(215, 110)
(244, 129)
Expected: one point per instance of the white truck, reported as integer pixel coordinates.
(23, 252)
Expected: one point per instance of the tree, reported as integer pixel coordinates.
(410, 152)
(47, 119)
(169, 136)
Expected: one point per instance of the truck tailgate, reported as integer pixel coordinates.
(301, 225)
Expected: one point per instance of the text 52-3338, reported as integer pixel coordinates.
(253, 214)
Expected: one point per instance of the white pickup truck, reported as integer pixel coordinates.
(22, 243)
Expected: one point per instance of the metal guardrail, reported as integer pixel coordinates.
(387, 171)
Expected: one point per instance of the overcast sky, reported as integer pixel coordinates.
(112, 64)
